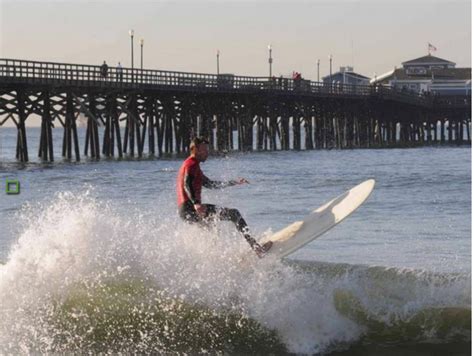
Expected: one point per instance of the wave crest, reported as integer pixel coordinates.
(87, 276)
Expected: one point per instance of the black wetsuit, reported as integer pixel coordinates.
(189, 184)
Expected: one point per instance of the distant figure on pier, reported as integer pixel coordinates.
(296, 76)
(189, 184)
(296, 80)
(119, 72)
(104, 69)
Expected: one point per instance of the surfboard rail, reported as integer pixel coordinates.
(319, 221)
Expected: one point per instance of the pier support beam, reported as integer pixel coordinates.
(132, 127)
(112, 134)
(151, 117)
(308, 130)
(296, 132)
(70, 138)
(21, 143)
(92, 130)
(45, 151)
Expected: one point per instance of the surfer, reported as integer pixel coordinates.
(189, 184)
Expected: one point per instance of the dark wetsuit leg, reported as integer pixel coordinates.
(189, 214)
(233, 215)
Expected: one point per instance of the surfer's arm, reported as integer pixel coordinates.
(214, 184)
(188, 187)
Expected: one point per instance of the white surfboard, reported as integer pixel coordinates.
(299, 233)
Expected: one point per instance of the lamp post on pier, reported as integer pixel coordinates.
(330, 67)
(217, 57)
(270, 59)
(318, 70)
(330, 70)
(141, 53)
(131, 33)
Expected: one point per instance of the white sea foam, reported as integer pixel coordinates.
(76, 239)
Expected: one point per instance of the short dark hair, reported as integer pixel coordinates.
(197, 141)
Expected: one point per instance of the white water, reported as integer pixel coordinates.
(76, 238)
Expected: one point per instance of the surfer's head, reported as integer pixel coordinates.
(199, 148)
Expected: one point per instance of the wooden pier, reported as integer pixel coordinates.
(152, 112)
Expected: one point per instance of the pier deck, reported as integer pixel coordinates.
(135, 108)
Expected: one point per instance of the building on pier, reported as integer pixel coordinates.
(346, 75)
(428, 74)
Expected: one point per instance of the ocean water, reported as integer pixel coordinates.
(95, 259)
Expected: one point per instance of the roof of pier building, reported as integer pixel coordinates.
(345, 71)
(429, 61)
(435, 74)
(425, 68)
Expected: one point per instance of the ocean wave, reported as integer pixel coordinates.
(86, 277)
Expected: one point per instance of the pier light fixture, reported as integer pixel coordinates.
(330, 67)
(141, 52)
(318, 69)
(131, 33)
(218, 53)
(270, 59)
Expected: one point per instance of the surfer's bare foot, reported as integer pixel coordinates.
(261, 250)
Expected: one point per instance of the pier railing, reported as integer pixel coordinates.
(81, 74)
(34, 72)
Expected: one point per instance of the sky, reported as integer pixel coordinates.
(372, 36)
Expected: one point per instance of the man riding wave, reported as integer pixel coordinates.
(189, 185)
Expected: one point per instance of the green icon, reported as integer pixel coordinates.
(12, 186)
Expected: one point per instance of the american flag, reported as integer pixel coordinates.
(431, 47)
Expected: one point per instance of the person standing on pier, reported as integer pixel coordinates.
(189, 184)
(104, 69)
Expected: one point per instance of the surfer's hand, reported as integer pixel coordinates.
(242, 181)
(200, 209)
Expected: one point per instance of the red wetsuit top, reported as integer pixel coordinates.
(191, 180)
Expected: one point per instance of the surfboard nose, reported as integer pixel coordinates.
(370, 183)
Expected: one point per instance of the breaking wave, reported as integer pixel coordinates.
(86, 277)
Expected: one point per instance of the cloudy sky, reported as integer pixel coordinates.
(373, 36)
